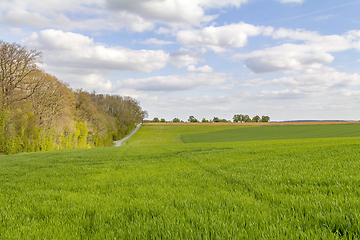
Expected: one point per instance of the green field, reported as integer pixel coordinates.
(276, 132)
(156, 187)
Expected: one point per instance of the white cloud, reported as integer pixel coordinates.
(165, 11)
(155, 41)
(172, 11)
(316, 42)
(75, 51)
(13, 32)
(311, 81)
(313, 53)
(291, 1)
(183, 58)
(220, 38)
(298, 34)
(51, 5)
(94, 81)
(204, 69)
(284, 58)
(55, 14)
(173, 82)
(319, 80)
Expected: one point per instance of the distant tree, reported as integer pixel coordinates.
(216, 119)
(192, 119)
(236, 118)
(176, 120)
(156, 119)
(246, 118)
(162, 120)
(265, 119)
(204, 120)
(256, 118)
(223, 120)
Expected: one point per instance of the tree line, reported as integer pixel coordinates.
(236, 118)
(39, 112)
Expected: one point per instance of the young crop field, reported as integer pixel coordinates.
(156, 187)
(276, 132)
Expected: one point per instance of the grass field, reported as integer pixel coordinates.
(276, 132)
(156, 187)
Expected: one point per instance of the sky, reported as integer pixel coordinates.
(287, 59)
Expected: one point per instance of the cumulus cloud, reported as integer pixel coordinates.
(172, 11)
(48, 8)
(204, 69)
(311, 81)
(94, 15)
(316, 42)
(313, 52)
(319, 80)
(72, 50)
(173, 82)
(220, 38)
(155, 41)
(54, 14)
(287, 57)
(94, 81)
(183, 58)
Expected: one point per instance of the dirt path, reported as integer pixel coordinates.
(118, 143)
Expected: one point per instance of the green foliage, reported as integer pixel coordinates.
(265, 119)
(176, 120)
(204, 120)
(256, 118)
(281, 189)
(82, 131)
(246, 118)
(192, 119)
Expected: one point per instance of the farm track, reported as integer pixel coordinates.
(119, 142)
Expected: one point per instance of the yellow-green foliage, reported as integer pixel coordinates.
(38, 112)
(22, 129)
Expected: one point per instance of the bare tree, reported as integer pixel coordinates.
(16, 67)
(52, 100)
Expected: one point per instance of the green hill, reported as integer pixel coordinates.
(156, 187)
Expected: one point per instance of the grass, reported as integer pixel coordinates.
(171, 134)
(158, 188)
(278, 132)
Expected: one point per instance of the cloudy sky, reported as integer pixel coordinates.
(288, 59)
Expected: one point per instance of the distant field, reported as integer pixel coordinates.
(248, 123)
(274, 132)
(156, 187)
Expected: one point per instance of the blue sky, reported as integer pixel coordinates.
(288, 59)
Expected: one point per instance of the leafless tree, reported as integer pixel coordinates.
(17, 65)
